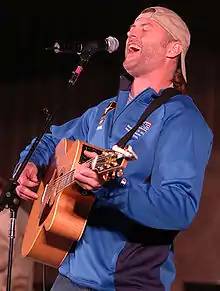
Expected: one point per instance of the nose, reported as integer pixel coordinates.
(134, 31)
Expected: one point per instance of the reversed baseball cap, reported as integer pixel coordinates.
(173, 24)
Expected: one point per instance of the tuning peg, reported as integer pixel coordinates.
(113, 175)
(120, 173)
(106, 176)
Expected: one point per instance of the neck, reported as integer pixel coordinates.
(140, 83)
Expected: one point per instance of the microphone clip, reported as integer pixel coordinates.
(56, 48)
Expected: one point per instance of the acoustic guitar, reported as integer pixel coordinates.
(59, 216)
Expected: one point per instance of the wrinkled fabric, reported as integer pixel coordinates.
(127, 242)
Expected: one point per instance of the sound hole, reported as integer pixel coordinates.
(45, 213)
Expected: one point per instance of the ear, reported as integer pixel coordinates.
(174, 48)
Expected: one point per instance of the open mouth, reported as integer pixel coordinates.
(133, 48)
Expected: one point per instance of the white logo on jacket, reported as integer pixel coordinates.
(146, 125)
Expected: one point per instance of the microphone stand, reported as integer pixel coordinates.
(9, 199)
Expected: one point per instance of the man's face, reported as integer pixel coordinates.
(146, 46)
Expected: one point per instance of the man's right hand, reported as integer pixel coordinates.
(28, 179)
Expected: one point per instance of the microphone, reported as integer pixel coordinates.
(110, 44)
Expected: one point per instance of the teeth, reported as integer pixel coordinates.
(134, 46)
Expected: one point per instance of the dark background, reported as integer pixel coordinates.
(32, 79)
(27, 27)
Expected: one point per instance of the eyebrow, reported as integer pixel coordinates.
(142, 24)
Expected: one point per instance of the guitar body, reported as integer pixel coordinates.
(58, 218)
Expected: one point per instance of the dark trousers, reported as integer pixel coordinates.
(64, 284)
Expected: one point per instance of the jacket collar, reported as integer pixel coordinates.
(126, 81)
(125, 86)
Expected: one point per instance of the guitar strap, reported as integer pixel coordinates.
(163, 98)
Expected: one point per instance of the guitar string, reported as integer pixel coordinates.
(52, 184)
(58, 181)
(65, 177)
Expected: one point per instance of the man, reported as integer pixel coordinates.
(22, 268)
(128, 241)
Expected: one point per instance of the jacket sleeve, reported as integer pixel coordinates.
(74, 129)
(171, 199)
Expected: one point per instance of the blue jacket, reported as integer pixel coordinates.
(127, 243)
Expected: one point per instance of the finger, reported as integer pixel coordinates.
(23, 191)
(33, 177)
(85, 186)
(89, 184)
(87, 181)
(27, 182)
(90, 154)
(86, 172)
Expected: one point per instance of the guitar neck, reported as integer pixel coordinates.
(65, 181)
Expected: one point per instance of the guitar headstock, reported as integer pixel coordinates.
(112, 162)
